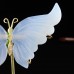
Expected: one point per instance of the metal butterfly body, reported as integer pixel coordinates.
(27, 35)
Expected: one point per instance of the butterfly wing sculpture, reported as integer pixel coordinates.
(3, 48)
(28, 34)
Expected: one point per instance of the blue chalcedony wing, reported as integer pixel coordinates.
(31, 32)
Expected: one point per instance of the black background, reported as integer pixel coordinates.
(54, 56)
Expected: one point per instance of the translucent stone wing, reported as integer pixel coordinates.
(32, 31)
(3, 48)
(21, 55)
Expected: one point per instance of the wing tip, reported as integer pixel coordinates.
(56, 13)
(57, 7)
(56, 4)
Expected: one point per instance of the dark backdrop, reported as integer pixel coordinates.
(54, 56)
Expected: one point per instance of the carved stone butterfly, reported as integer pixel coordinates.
(24, 39)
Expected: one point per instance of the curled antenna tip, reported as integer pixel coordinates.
(15, 20)
(5, 20)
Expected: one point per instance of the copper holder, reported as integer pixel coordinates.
(67, 39)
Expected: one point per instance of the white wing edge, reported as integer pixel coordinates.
(55, 15)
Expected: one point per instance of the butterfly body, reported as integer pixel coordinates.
(10, 44)
(9, 35)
